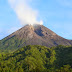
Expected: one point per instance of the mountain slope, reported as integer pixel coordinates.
(32, 35)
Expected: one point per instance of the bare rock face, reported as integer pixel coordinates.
(33, 35)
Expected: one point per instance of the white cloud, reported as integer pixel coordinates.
(0, 30)
(13, 29)
(24, 11)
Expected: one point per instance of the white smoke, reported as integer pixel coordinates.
(24, 12)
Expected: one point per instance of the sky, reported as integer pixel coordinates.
(55, 14)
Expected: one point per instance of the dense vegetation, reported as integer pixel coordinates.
(37, 59)
(11, 44)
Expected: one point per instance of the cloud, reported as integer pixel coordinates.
(6, 32)
(13, 29)
(24, 12)
(0, 30)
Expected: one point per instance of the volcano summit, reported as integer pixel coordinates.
(32, 35)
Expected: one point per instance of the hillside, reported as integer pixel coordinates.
(32, 35)
(38, 59)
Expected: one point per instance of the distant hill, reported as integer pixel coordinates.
(35, 58)
(32, 35)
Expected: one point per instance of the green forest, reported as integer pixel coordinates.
(36, 58)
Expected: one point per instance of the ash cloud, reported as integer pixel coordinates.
(24, 12)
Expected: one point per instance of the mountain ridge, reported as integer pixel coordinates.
(33, 35)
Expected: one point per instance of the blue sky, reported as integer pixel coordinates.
(56, 14)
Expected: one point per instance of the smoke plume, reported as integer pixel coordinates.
(24, 12)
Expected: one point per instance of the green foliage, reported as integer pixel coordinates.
(8, 45)
(37, 58)
(63, 56)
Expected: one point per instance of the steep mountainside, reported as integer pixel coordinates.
(32, 35)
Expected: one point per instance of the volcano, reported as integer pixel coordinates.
(32, 35)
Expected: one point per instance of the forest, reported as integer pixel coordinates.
(36, 58)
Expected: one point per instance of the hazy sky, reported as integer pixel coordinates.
(56, 15)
